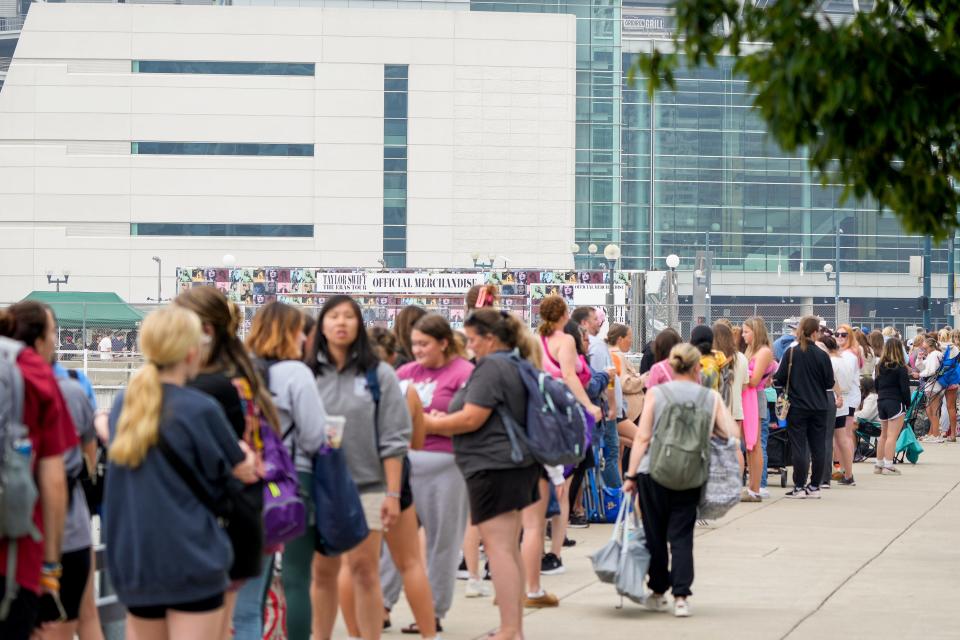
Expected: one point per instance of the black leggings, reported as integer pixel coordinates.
(805, 428)
(577, 479)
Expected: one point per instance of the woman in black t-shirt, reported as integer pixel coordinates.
(498, 488)
(228, 375)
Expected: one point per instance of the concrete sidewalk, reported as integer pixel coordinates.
(878, 560)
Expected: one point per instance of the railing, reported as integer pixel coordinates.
(11, 24)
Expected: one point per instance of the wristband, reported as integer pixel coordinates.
(393, 494)
(633, 478)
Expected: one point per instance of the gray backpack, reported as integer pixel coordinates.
(680, 448)
(18, 490)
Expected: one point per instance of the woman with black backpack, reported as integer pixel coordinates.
(669, 515)
(229, 376)
(498, 487)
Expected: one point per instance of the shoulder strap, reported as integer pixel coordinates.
(185, 474)
(9, 351)
(786, 389)
(546, 350)
(373, 386)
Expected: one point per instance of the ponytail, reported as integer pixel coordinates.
(138, 427)
(808, 326)
(166, 338)
(508, 329)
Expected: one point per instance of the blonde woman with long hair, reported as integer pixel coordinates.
(168, 556)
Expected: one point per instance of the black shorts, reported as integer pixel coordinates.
(76, 572)
(159, 612)
(498, 491)
(23, 614)
(889, 409)
(406, 493)
(840, 422)
(850, 412)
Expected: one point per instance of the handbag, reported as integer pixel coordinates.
(634, 560)
(340, 522)
(722, 490)
(239, 512)
(783, 402)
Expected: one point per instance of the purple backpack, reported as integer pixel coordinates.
(284, 514)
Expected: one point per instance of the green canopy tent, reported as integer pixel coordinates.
(89, 309)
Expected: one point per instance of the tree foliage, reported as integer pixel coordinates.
(874, 98)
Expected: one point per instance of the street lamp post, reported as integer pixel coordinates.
(159, 279)
(58, 280)
(832, 271)
(673, 261)
(612, 253)
(480, 264)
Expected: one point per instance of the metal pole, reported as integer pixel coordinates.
(708, 280)
(610, 295)
(836, 280)
(951, 277)
(927, 250)
(159, 281)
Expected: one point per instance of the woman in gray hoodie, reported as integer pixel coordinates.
(375, 441)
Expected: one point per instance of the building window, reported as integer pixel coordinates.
(395, 77)
(221, 230)
(219, 149)
(225, 68)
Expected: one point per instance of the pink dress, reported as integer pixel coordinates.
(751, 406)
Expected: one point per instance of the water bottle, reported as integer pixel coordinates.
(23, 446)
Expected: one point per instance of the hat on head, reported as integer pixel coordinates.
(701, 334)
(792, 324)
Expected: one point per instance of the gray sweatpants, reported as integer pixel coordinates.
(440, 498)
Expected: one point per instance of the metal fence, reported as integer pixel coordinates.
(109, 354)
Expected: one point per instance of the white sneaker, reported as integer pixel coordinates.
(681, 608)
(660, 604)
(477, 589)
(764, 493)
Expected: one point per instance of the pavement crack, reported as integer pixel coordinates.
(868, 562)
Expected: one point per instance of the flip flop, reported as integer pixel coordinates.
(413, 629)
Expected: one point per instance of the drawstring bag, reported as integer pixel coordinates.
(634, 559)
(722, 490)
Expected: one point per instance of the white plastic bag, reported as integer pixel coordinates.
(634, 559)
(606, 561)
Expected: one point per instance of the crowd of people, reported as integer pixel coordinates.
(206, 441)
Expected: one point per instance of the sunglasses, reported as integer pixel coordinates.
(842, 334)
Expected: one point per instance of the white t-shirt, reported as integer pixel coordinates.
(844, 373)
(852, 393)
(106, 347)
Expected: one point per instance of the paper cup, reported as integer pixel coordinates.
(335, 426)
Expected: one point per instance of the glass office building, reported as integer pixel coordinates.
(691, 167)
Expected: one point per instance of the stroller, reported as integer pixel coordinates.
(916, 417)
(778, 453)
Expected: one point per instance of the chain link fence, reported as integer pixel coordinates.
(106, 349)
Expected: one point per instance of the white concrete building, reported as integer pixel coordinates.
(283, 136)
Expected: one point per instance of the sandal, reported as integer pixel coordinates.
(386, 619)
(413, 629)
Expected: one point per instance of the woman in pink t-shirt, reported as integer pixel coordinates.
(438, 371)
(661, 371)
